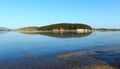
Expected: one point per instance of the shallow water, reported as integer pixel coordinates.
(25, 47)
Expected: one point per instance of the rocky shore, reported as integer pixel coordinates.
(97, 58)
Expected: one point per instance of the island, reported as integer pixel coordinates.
(59, 27)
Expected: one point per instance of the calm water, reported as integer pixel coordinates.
(16, 47)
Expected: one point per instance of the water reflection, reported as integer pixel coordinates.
(61, 34)
(3, 32)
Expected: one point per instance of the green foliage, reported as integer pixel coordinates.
(66, 26)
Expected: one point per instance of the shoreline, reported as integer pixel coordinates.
(97, 58)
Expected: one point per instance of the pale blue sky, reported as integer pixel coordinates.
(96, 13)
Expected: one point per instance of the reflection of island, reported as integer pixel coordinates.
(61, 34)
(59, 30)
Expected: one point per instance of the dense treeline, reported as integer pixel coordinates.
(66, 26)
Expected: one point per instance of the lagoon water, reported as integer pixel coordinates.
(22, 47)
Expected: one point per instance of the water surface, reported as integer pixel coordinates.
(24, 47)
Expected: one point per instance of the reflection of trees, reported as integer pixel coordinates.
(61, 34)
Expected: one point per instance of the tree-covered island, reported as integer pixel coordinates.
(58, 27)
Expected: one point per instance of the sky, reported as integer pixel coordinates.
(23, 13)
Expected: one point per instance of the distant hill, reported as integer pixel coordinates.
(4, 29)
(63, 26)
(106, 29)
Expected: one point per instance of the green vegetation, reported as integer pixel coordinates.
(65, 26)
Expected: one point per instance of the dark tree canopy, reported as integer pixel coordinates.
(67, 26)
